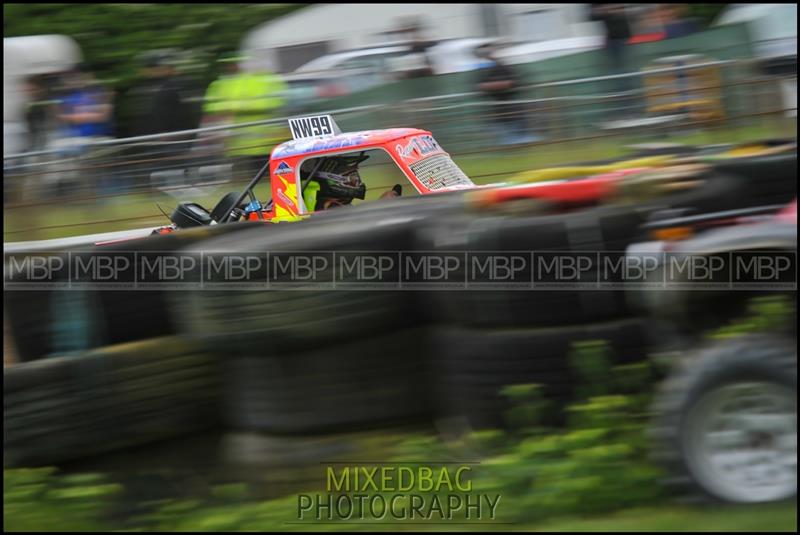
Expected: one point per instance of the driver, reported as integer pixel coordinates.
(333, 182)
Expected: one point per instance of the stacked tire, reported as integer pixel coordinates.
(498, 337)
(307, 360)
(44, 321)
(75, 406)
(766, 179)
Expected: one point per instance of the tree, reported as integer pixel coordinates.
(113, 37)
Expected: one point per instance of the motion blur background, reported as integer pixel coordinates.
(114, 111)
(503, 87)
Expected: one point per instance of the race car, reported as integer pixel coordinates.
(322, 164)
(725, 417)
(320, 168)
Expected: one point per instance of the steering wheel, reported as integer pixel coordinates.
(227, 206)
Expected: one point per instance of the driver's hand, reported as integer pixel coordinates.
(396, 191)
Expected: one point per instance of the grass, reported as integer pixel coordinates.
(780, 517)
(130, 211)
(762, 518)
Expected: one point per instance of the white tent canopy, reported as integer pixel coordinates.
(39, 54)
(773, 27)
(24, 57)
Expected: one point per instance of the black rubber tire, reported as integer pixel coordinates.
(28, 328)
(141, 314)
(770, 179)
(473, 365)
(757, 357)
(95, 318)
(718, 192)
(603, 229)
(296, 320)
(373, 381)
(110, 398)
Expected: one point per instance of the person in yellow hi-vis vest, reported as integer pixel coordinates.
(244, 97)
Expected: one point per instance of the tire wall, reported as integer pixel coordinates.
(488, 339)
(146, 365)
(56, 320)
(72, 406)
(320, 360)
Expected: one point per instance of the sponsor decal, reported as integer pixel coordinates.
(304, 146)
(418, 147)
(284, 169)
(289, 202)
(282, 196)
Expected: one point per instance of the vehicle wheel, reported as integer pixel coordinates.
(351, 384)
(474, 365)
(726, 421)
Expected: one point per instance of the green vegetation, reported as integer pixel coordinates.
(767, 313)
(591, 474)
(744, 519)
(112, 36)
(41, 500)
(595, 465)
(569, 479)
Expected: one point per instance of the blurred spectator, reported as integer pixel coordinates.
(499, 83)
(160, 104)
(675, 21)
(240, 97)
(85, 113)
(417, 63)
(40, 115)
(86, 108)
(618, 31)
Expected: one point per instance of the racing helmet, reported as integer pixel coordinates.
(340, 181)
